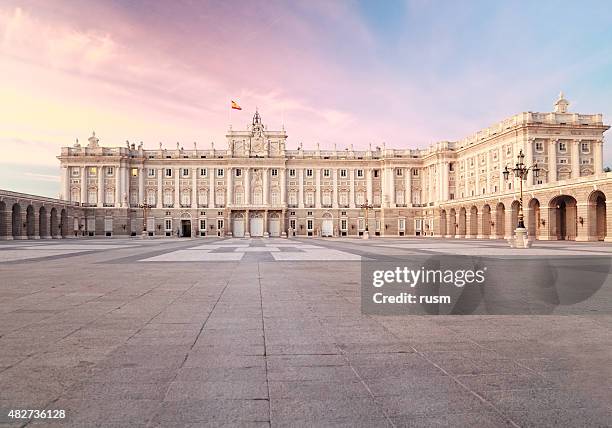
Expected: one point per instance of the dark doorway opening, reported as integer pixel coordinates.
(186, 228)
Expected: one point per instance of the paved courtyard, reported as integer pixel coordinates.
(269, 332)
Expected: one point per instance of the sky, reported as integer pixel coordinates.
(404, 73)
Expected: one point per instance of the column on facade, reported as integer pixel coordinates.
(552, 161)
(126, 186)
(83, 184)
(211, 187)
(608, 237)
(431, 184)
(408, 187)
(247, 187)
(440, 181)
(100, 186)
(118, 185)
(575, 160)
(266, 187)
(369, 185)
(283, 185)
(177, 187)
(160, 193)
(545, 223)
(528, 151)
(352, 187)
(598, 156)
(466, 178)
(230, 187)
(583, 230)
(141, 185)
(65, 183)
(477, 186)
(444, 181)
(392, 187)
(335, 187)
(509, 223)
(317, 173)
(301, 187)
(194, 188)
(488, 172)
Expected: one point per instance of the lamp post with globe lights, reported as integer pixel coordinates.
(521, 171)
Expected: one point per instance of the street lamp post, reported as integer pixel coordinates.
(144, 208)
(521, 171)
(366, 206)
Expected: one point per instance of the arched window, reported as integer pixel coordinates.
(203, 198)
(109, 197)
(185, 199)
(168, 199)
(274, 198)
(75, 195)
(151, 199)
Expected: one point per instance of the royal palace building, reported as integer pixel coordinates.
(258, 187)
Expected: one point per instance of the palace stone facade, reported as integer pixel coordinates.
(257, 187)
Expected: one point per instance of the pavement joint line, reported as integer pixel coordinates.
(451, 376)
(263, 327)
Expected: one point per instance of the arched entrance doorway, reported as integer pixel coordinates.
(563, 219)
(486, 221)
(64, 223)
(30, 226)
(43, 224)
(452, 223)
(327, 225)
(274, 225)
(533, 219)
(238, 225)
(53, 223)
(186, 225)
(500, 220)
(443, 227)
(461, 222)
(16, 226)
(473, 222)
(597, 215)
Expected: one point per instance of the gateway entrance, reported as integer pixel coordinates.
(274, 227)
(256, 226)
(186, 228)
(238, 228)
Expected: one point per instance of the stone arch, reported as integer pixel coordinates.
(514, 215)
(43, 223)
(30, 222)
(500, 220)
(474, 221)
(443, 226)
(533, 218)
(53, 222)
(596, 212)
(16, 226)
(452, 223)
(462, 222)
(563, 217)
(64, 222)
(486, 221)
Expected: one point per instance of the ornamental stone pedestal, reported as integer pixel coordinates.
(520, 238)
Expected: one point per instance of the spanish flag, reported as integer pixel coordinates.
(235, 106)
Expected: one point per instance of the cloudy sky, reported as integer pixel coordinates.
(407, 73)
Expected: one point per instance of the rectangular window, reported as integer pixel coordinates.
(220, 172)
(134, 172)
(219, 224)
(75, 172)
(309, 173)
(168, 172)
(309, 224)
(399, 172)
(343, 173)
(539, 146)
(202, 224)
(110, 171)
(292, 173)
(151, 172)
(584, 147)
(415, 172)
(401, 224)
(168, 224)
(185, 172)
(202, 172)
(343, 224)
(360, 173)
(238, 172)
(292, 224)
(562, 146)
(376, 173)
(274, 172)
(326, 173)
(93, 171)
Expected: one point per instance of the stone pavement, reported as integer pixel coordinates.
(261, 332)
